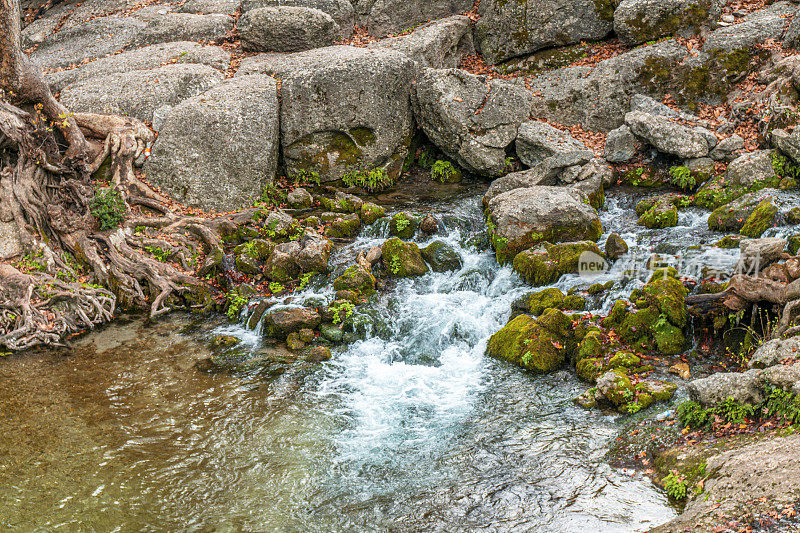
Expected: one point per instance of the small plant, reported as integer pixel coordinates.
(692, 416)
(682, 178)
(139, 230)
(235, 304)
(158, 252)
(784, 167)
(273, 195)
(108, 208)
(370, 180)
(402, 222)
(733, 411)
(32, 261)
(308, 176)
(343, 308)
(443, 171)
(395, 265)
(275, 287)
(782, 403)
(675, 486)
(426, 157)
(305, 280)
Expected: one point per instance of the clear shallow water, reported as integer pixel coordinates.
(409, 429)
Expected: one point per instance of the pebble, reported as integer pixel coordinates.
(730, 19)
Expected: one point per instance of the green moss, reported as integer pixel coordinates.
(590, 368)
(605, 9)
(363, 136)
(370, 213)
(404, 225)
(538, 302)
(760, 220)
(355, 278)
(794, 244)
(661, 215)
(668, 295)
(507, 250)
(539, 345)
(669, 339)
(543, 266)
(344, 227)
(445, 172)
(729, 241)
(624, 359)
(402, 259)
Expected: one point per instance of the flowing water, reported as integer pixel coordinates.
(409, 428)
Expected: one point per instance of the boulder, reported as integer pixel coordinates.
(370, 213)
(282, 263)
(344, 226)
(440, 44)
(227, 7)
(167, 27)
(788, 143)
(669, 137)
(538, 141)
(315, 251)
(616, 246)
(621, 145)
(733, 216)
(774, 351)
(786, 377)
(616, 387)
(757, 27)
(340, 10)
(96, 38)
(545, 264)
(658, 213)
(144, 58)
(386, 17)
(744, 387)
(471, 119)
(726, 149)
(540, 345)
(640, 21)
(442, 257)
(299, 198)
(279, 323)
(140, 93)
(355, 278)
(520, 218)
(756, 254)
(404, 225)
(343, 108)
(402, 259)
(218, 150)
(510, 29)
(536, 303)
(749, 169)
(286, 29)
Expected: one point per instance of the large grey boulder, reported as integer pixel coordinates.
(144, 58)
(440, 44)
(786, 377)
(140, 93)
(640, 21)
(758, 27)
(92, 39)
(471, 119)
(669, 137)
(386, 17)
(747, 169)
(167, 27)
(537, 141)
(343, 108)
(755, 254)
(774, 351)
(727, 148)
(218, 150)
(521, 217)
(227, 7)
(598, 98)
(788, 143)
(341, 10)
(621, 145)
(744, 387)
(286, 29)
(509, 29)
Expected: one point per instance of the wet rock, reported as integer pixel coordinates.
(546, 263)
(755, 254)
(286, 29)
(510, 29)
(224, 342)
(442, 257)
(331, 332)
(621, 145)
(733, 216)
(192, 159)
(343, 227)
(661, 391)
(402, 259)
(662, 214)
(640, 21)
(314, 253)
(669, 137)
(340, 10)
(343, 108)
(616, 246)
(590, 368)
(744, 387)
(521, 218)
(258, 313)
(386, 17)
(281, 265)
(370, 213)
(536, 303)
(440, 44)
(299, 198)
(317, 354)
(749, 169)
(404, 225)
(774, 351)
(355, 278)
(346, 203)
(293, 341)
(429, 225)
(139, 93)
(279, 224)
(281, 322)
(471, 119)
(144, 58)
(616, 387)
(541, 345)
(537, 141)
(726, 149)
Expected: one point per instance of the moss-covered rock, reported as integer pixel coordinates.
(536, 303)
(660, 391)
(331, 332)
(355, 278)
(624, 359)
(794, 244)
(760, 220)
(669, 339)
(661, 214)
(545, 264)
(402, 259)
(616, 246)
(669, 296)
(587, 400)
(590, 368)
(293, 341)
(346, 203)
(224, 342)
(371, 213)
(732, 216)
(404, 225)
(591, 346)
(541, 345)
(344, 227)
(442, 257)
(616, 387)
(729, 241)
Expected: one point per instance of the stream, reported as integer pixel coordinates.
(409, 428)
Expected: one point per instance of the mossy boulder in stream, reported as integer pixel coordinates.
(402, 259)
(545, 264)
(616, 387)
(536, 303)
(404, 225)
(280, 323)
(760, 220)
(442, 257)
(355, 278)
(370, 213)
(660, 214)
(732, 217)
(344, 226)
(541, 345)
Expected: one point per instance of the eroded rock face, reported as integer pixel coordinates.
(522, 217)
(219, 149)
(773, 352)
(440, 44)
(744, 387)
(670, 137)
(640, 21)
(537, 141)
(280, 323)
(747, 169)
(343, 108)
(286, 29)
(508, 29)
(386, 17)
(163, 27)
(340, 10)
(140, 93)
(471, 119)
